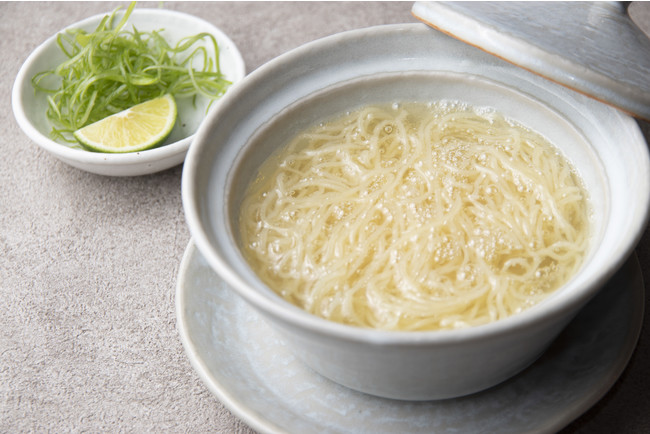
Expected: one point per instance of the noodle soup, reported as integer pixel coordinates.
(410, 63)
(416, 217)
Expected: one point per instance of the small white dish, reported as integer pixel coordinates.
(250, 369)
(29, 107)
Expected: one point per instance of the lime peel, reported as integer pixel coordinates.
(138, 128)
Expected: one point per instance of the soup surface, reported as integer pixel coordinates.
(416, 217)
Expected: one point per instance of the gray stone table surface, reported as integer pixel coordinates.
(88, 263)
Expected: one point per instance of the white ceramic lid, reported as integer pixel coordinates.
(591, 47)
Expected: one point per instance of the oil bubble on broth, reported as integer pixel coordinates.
(416, 216)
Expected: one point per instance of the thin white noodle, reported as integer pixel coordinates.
(416, 218)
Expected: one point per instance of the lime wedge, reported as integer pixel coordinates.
(140, 127)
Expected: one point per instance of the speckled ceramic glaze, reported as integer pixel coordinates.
(253, 372)
(592, 47)
(30, 107)
(411, 62)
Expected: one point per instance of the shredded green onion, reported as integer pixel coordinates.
(110, 69)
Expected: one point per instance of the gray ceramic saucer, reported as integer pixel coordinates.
(253, 373)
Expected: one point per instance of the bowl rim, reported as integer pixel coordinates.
(286, 313)
(84, 156)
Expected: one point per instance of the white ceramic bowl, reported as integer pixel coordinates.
(411, 62)
(29, 107)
